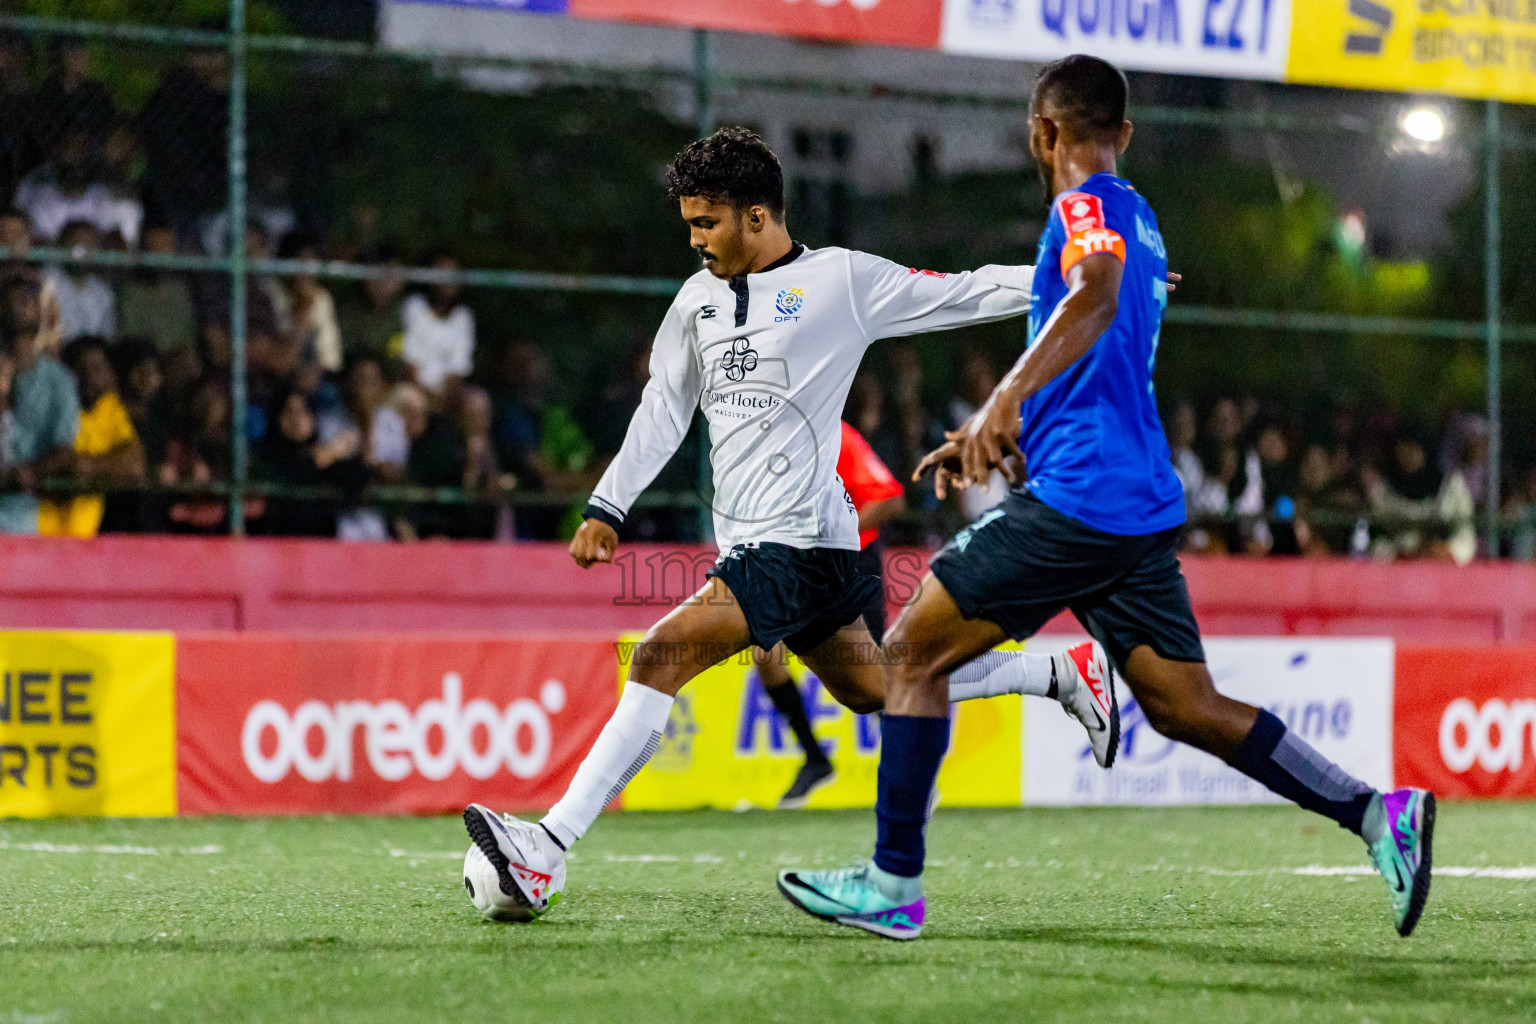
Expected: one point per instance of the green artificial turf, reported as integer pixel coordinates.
(1084, 916)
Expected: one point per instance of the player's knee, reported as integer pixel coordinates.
(660, 662)
(862, 704)
(910, 666)
(1167, 717)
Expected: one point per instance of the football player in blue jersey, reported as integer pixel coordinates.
(1092, 525)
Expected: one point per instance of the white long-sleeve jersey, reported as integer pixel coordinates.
(769, 358)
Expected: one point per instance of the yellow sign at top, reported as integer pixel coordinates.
(1476, 48)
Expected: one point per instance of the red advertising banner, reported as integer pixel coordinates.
(375, 724)
(890, 22)
(1466, 720)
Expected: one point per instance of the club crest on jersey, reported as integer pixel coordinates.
(708, 312)
(789, 303)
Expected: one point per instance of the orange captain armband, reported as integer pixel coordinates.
(1087, 231)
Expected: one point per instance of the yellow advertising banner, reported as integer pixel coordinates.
(726, 748)
(1477, 48)
(87, 724)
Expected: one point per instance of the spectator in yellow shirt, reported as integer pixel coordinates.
(106, 448)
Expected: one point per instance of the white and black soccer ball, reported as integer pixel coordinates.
(535, 891)
(484, 888)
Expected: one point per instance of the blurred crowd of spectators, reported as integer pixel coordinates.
(1366, 484)
(121, 379)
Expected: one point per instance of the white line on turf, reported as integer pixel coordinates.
(608, 858)
(1520, 874)
(1515, 874)
(137, 851)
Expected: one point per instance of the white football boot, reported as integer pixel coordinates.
(1085, 685)
(529, 864)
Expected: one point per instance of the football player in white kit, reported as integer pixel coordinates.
(765, 340)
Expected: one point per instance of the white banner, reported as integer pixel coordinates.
(1335, 693)
(1228, 38)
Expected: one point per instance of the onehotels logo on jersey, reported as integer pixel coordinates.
(87, 724)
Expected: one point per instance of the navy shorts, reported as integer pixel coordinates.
(800, 596)
(1023, 562)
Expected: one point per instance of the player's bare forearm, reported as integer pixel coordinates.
(1092, 300)
(595, 541)
(878, 513)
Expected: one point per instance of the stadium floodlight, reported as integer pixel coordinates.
(1424, 125)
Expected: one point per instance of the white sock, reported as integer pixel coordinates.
(622, 748)
(998, 672)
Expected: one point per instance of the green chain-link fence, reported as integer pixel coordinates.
(533, 184)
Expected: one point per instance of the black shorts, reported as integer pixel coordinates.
(1024, 562)
(871, 563)
(799, 596)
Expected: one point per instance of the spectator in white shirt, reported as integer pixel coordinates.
(378, 439)
(63, 191)
(85, 300)
(305, 310)
(439, 344)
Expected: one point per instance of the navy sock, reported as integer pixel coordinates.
(1287, 764)
(911, 750)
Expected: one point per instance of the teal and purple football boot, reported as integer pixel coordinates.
(1403, 853)
(857, 898)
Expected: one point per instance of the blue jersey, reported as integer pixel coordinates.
(1093, 444)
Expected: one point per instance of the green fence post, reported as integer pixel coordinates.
(238, 400)
(704, 114)
(1492, 272)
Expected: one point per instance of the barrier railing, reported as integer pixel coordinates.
(238, 42)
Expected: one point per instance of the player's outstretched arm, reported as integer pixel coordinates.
(893, 301)
(655, 432)
(990, 437)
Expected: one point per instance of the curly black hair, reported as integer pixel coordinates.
(733, 166)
